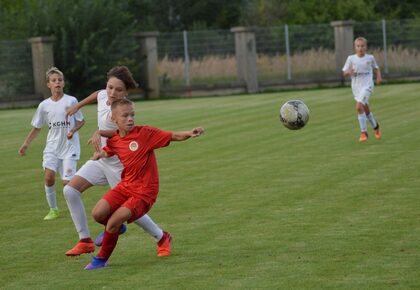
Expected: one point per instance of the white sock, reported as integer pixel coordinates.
(149, 226)
(77, 211)
(51, 196)
(372, 120)
(362, 122)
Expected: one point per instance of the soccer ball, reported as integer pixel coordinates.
(294, 114)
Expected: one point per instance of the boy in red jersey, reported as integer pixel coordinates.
(135, 194)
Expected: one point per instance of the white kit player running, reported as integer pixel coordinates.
(105, 171)
(360, 67)
(62, 149)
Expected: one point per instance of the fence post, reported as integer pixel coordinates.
(289, 63)
(385, 46)
(343, 35)
(149, 68)
(246, 57)
(186, 59)
(42, 60)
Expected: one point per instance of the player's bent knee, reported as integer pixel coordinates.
(70, 193)
(79, 183)
(49, 181)
(99, 216)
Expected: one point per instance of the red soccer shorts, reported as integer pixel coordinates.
(121, 196)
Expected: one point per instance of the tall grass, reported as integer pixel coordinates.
(309, 63)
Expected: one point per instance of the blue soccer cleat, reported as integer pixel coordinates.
(96, 263)
(100, 238)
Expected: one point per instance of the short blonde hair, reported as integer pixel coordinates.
(362, 39)
(121, 102)
(53, 70)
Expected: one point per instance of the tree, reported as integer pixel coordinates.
(397, 9)
(279, 12)
(178, 15)
(91, 37)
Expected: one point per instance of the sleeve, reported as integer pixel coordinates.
(347, 65)
(108, 151)
(102, 95)
(39, 119)
(374, 63)
(108, 147)
(157, 138)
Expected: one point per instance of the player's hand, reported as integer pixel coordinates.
(22, 150)
(96, 156)
(71, 110)
(378, 80)
(197, 132)
(70, 134)
(95, 141)
(349, 72)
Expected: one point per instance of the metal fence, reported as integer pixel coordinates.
(395, 44)
(196, 57)
(285, 55)
(295, 52)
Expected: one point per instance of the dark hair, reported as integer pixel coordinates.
(122, 73)
(121, 102)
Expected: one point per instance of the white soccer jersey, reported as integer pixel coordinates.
(362, 78)
(53, 113)
(105, 123)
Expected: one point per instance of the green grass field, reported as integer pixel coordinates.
(250, 205)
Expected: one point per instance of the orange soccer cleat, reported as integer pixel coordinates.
(363, 137)
(81, 248)
(164, 245)
(378, 134)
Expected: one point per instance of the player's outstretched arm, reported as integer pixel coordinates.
(95, 140)
(107, 133)
(31, 136)
(88, 100)
(184, 135)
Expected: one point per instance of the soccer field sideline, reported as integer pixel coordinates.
(250, 204)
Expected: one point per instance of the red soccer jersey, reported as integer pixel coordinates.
(136, 152)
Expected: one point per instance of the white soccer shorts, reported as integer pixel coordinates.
(362, 95)
(101, 172)
(65, 167)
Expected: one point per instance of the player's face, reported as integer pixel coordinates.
(123, 116)
(56, 83)
(360, 47)
(116, 90)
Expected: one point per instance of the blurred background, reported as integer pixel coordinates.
(195, 43)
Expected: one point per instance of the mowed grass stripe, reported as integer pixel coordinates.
(251, 205)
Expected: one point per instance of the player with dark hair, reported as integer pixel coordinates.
(105, 171)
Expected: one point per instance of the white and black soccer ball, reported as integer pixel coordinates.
(294, 114)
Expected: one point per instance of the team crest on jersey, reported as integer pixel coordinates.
(133, 146)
